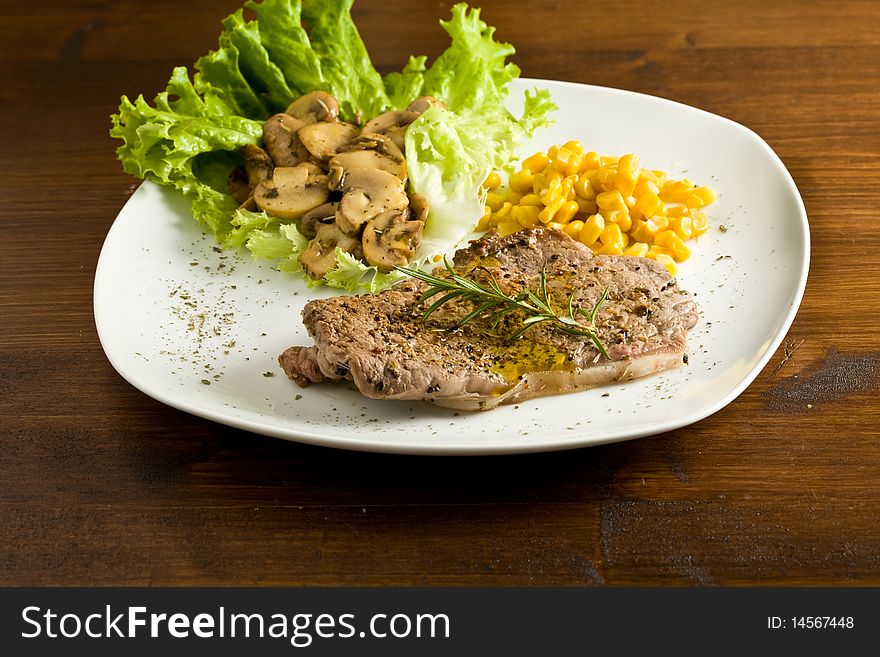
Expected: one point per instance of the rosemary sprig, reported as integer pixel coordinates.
(491, 301)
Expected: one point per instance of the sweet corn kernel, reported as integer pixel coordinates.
(592, 177)
(536, 163)
(514, 197)
(548, 213)
(590, 162)
(650, 205)
(568, 161)
(646, 186)
(558, 189)
(550, 191)
(492, 181)
(674, 243)
(619, 217)
(676, 191)
(681, 251)
(507, 227)
(625, 182)
(587, 207)
(575, 146)
(627, 174)
(494, 201)
(610, 249)
(654, 251)
(628, 162)
(605, 177)
(638, 249)
(656, 224)
(525, 215)
(682, 227)
(483, 223)
(561, 159)
(593, 227)
(539, 183)
(701, 197)
(583, 188)
(555, 225)
(699, 222)
(503, 211)
(668, 262)
(658, 176)
(573, 228)
(612, 235)
(531, 199)
(611, 201)
(521, 181)
(551, 174)
(635, 213)
(673, 211)
(552, 194)
(640, 232)
(566, 212)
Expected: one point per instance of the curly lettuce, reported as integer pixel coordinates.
(189, 137)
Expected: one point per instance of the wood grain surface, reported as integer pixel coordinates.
(100, 484)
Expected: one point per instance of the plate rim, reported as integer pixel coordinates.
(377, 445)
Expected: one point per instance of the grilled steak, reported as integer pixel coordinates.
(382, 345)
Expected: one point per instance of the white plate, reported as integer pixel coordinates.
(201, 331)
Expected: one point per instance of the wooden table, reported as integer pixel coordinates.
(100, 484)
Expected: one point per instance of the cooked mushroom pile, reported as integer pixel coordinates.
(344, 184)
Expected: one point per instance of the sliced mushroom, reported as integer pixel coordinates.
(368, 152)
(292, 191)
(346, 162)
(367, 193)
(388, 121)
(238, 185)
(375, 142)
(313, 107)
(393, 124)
(424, 103)
(419, 207)
(257, 164)
(249, 204)
(319, 257)
(257, 167)
(391, 240)
(282, 141)
(313, 219)
(324, 140)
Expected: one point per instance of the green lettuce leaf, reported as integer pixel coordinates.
(189, 137)
(450, 152)
(283, 244)
(404, 86)
(187, 141)
(345, 64)
(353, 275)
(471, 75)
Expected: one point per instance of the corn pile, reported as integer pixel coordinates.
(610, 204)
